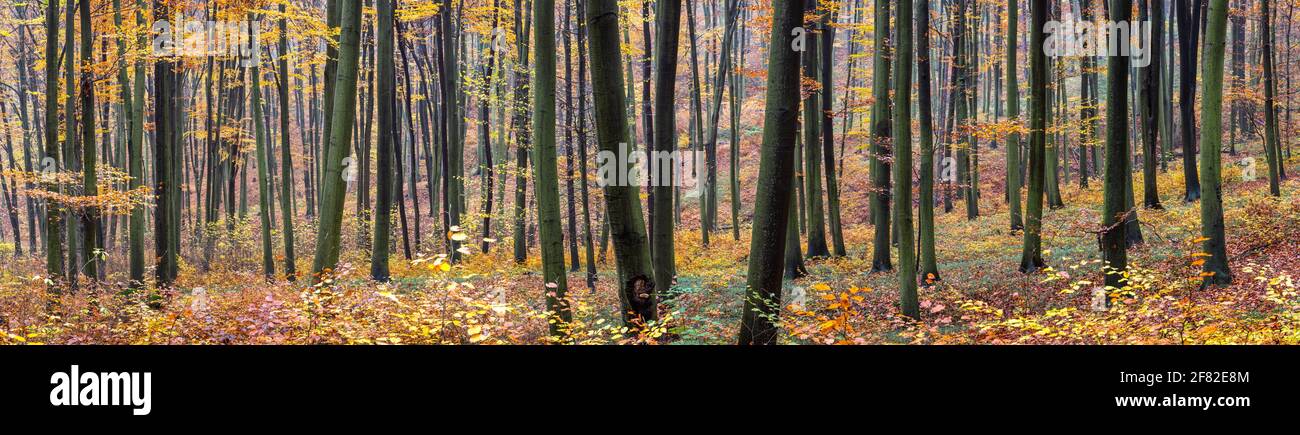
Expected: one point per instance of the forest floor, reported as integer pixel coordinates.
(980, 298)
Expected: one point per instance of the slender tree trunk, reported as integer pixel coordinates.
(571, 223)
(263, 172)
(92, 245)
(903, 162)
(1148, 102)
(1188, 30)
(737, 98)
(1031, 256)
(333, 188)
(286, 157)
(1013, 112)
(928, 267)
(776, 169)
(662, 178)
(166, 218)
(384, 180)
(1212, 227)
(1272, 144)
(880, 138)
(485, 135)
(136, 164)
(1114, 212)
(582, 143)
(546, 185)
(709, 192)
(812, 134)
(647, 110)
(522, 135)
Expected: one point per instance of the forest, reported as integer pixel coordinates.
(648, 172)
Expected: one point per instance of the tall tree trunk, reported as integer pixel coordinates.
(485, 135)
(908, 303)
(582, 144)
(812, 134)
(1272, 145)
(1166, 54)
(522, 135)
(92, 243)
(263, 172)
(570, 192)
(333, 17)
(286, 157)
(1148, 102)
(71, 146)
(333, 189)
(1212, 226)
(135, 153)
(1031, 256)
(928, 267)
(1013, 113)
(1088, 108)
(166, 217)
(386, 83)
(647, 109)
(627, 226)
(737, 99)
(1114, 213)
(880, 138)
(826, 40)
(709, 196)
(451, 155)
(1188, 30)
(776, 169)
(546, 184)
(662, 181)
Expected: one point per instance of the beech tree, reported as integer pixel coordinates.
(1213, 241)
(1013, 112)
(546, 184)
(384, 180)
(53, 210)
(1272, 143)
(1188, 14)
(903, 161)
(928, 267)
(332, 184)
(776, 169)
(880, 138)
(669, 14)
(622, 205)
(286, 156)
(1114, 213)
(1031, 256)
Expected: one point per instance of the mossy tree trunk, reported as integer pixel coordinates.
(333, 188)
(1212, 226)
